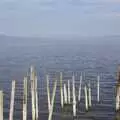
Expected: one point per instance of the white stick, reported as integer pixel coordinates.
(25, 99)
(117, 98)
(52, 101)
(117, 102)
(33, 95)
(36, 95)
(65, 94)
(61, 90)
(1, 105)
(31, 72)
(98, 89)
(68, 91)
(89, 93)
(86, 98)
(12, 101)
(74, 97)
(48, 93)
(79, 95)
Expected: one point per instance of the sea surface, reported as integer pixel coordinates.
(50, 56)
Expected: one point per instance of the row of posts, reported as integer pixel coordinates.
(34, 97)
(65, 94)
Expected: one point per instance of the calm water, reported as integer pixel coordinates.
(53, 56)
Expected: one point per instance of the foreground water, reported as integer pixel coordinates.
(54, 56)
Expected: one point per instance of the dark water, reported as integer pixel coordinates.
(52, 56)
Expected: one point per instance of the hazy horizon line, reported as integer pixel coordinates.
(59, 36)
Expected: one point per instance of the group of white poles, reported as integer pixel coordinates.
(34, 95)
(52, 99)
(11, 111)
(65, 93)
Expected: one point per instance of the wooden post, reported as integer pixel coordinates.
(12, 101)
(61, 90)
(65, 94)
(68, 92)
(79, 95)
(74, 97)
(1, 105)
(36, 95)
(33, 92)
(33, 101)
(86, 98)
(48, 92)
(118, 97)
(89, 95)
(52, 101)
(25, 91)
(118, 90)
(31, 72)
(98, 88)
(25, 99)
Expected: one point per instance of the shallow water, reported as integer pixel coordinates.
(53, 57)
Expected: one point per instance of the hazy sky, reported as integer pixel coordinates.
(60, 17)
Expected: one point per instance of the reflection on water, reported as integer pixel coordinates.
(61, 56)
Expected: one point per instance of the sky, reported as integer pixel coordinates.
(60, 17)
